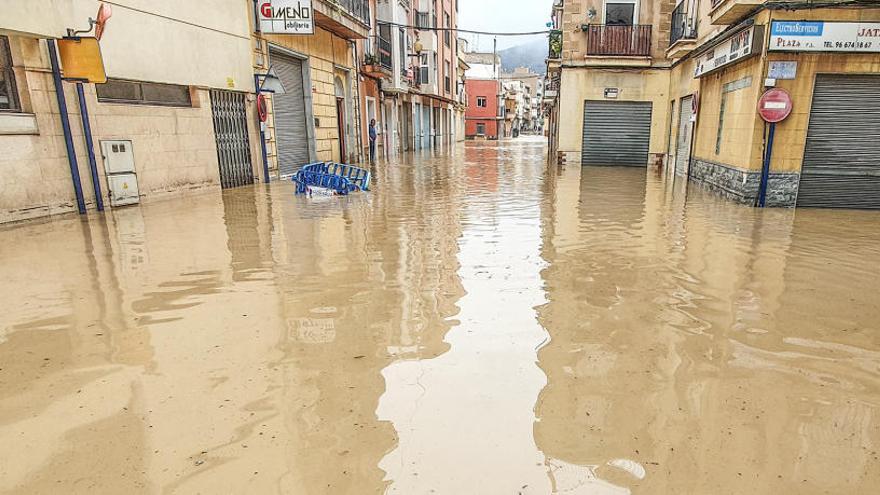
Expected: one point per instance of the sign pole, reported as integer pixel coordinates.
(262, 125)
(765, 169)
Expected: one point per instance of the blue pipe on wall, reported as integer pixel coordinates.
(90, 145)
(65, 125)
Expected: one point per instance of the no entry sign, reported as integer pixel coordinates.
(775, 105)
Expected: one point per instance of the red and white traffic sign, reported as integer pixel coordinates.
(775, 105)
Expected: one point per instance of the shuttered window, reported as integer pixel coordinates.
(144, 93)
(8, 94)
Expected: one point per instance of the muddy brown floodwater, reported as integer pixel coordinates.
(478, 324)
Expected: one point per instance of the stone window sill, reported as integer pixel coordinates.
(18, 124)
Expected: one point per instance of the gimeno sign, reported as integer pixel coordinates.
(286, 16)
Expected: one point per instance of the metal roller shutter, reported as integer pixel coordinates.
(685, 132)
(291, 135)
(842, 157)
(616, 133)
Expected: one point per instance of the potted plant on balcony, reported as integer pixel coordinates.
(371, 63)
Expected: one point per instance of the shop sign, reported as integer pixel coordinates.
(612, 92)
(820, 36)
(286, 16)
(740, 46)
(782, 70)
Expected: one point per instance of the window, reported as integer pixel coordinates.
(481, 101)
(403, 50)
(720, 133)
(8, 95)
(447, 35)
(447, 80)
(423, 69)
(423, 20)
(481, 129)
(144, 93)
(620, 13)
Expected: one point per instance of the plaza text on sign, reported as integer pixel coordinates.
(819, 36)
(286, 16)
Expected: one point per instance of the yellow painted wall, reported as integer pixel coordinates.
(325, 51)
(742, 143)
(580, 84)
(742, 129)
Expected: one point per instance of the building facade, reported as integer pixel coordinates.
(152, 124)
(484, 117)
(684, 81)
(317, 118)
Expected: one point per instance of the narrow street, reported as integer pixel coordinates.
(479, 323)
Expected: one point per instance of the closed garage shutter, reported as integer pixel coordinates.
(842, 156)
(291, 136)
(616, 133)
(685, 130)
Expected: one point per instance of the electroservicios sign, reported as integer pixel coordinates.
(819, 36)
(286, 16)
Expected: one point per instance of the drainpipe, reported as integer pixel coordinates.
(65, 125)
(90, 145)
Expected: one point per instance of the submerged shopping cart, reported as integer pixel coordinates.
(329, 178)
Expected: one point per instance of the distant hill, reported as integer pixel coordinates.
(531, 55)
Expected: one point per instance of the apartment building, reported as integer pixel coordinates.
(678, 83)
(176, 114)
(317, 118)
(484, 117)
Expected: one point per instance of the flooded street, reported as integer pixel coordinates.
(478, 324)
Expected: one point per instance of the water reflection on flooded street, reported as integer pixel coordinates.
(478, 324)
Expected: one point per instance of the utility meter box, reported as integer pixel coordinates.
(121, 175)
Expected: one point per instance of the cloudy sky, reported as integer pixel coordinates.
(505, 16)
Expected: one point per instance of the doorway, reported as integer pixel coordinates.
(340, 126)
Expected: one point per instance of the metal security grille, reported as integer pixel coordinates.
(291, 133)
(616, 133)
(231, 133)
(685, 132)
(842, 157)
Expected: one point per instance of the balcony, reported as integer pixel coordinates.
(725, 12)
(373, 68)
(683, 32)
(618, 41)
(555, 45)
(349, 19)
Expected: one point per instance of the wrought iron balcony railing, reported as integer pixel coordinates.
(618, 40)
(683, 25)
(360, 9)
(555, 51)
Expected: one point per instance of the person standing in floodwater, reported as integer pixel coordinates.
(372, 140)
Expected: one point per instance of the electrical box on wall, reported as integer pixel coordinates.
(121, 176)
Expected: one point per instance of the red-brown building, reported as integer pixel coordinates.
(483, 113)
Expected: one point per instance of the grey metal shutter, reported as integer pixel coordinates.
(841, 166)
(291, 135)
(685, 133)
(616, 133)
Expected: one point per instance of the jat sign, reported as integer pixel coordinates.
(286, 16)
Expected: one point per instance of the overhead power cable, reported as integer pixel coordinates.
(459, 30)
